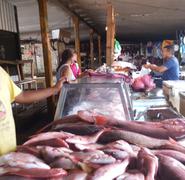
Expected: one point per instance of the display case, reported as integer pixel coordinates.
(109, 96)
(174, 88)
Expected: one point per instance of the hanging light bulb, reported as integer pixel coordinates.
(106, 28)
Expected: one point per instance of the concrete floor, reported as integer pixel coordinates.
(29, 120)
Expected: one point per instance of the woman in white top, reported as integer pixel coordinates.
(64, 69)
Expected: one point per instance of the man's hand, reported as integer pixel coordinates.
(153, 67)
(59, 84)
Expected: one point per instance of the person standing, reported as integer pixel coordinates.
(64, 68)
(9, 93)
(75, 67)
(170, 67)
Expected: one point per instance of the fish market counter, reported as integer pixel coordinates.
(94, 137)
(90, 146)
(152, 106)
(113, 97)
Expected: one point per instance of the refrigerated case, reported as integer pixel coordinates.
(109, 96)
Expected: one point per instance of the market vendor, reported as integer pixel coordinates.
(74, 66)
(64, 69)
(9, 93)
(170, 67)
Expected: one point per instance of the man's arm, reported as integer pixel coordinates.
(32, 96)
(154, 67)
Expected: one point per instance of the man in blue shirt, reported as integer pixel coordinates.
(170, 68)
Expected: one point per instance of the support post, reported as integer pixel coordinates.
(99, 50)
(18, 42)
(46, 52)
(91, 48)
(77, 38)
(110, 34)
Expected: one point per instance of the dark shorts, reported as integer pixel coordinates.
(158, 82)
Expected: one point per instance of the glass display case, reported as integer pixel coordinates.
(109, 96)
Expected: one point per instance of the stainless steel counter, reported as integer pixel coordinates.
(143, 101)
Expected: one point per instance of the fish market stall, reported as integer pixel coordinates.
(94, 137)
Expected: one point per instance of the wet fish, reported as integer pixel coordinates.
(37, 173)
(118, 154)
(131, 137)
(67, 119)
(174, 128)
(55, 142)
(85, 139)
(76, 175)
(173, 145)
(64, 163)
(99, 119)
(79, 129)
(117, 145)
(170, 168)
(110, 171)
(135, 148)
(14, 177)
(22, 160)
(87, 116)
(120, 145)
(149, 130)
(47, 136)
(29, 149)
(171, 153)
(101, 159)
(182, 142)
(50, 154)
(148, 163)
(177, 122)
(131, 175)
(87, 168)
(93, 146)
(81, 156)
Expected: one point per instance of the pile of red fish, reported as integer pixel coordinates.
(90, 146)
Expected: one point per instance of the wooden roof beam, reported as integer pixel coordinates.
(65, 6)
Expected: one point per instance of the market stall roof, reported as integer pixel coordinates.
(29, 25)
(134, 19)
